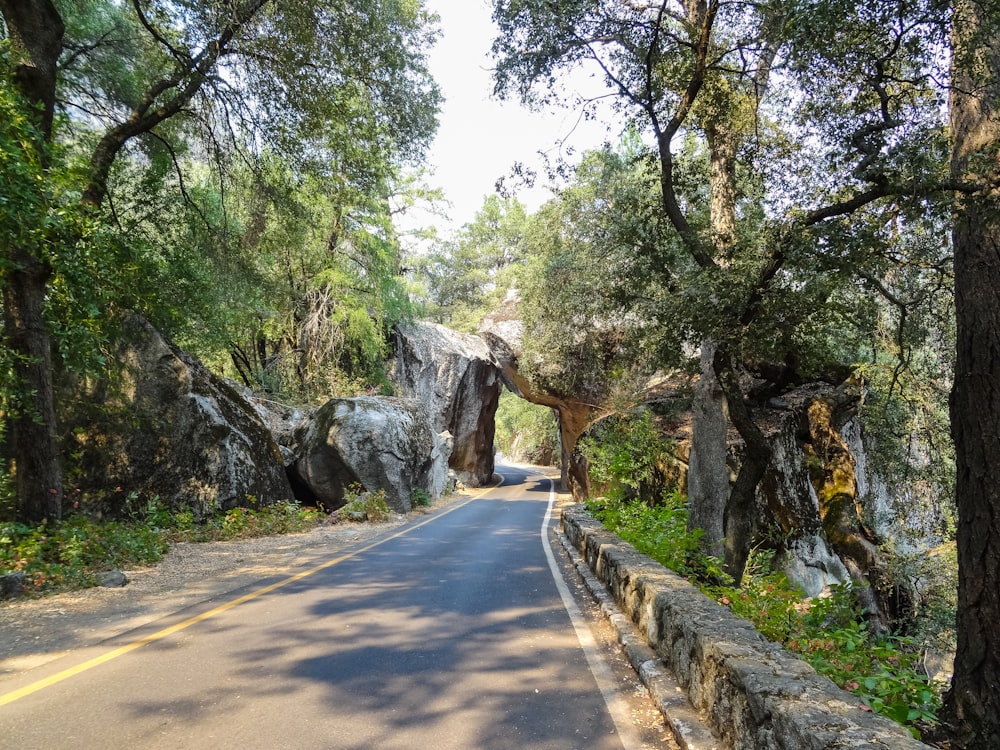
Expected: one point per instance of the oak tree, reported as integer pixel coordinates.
(801, 137)
(240, 75)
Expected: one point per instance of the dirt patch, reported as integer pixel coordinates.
(36, 631)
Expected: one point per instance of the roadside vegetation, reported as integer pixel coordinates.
(883, 667)
(72, 553)
(804, 191)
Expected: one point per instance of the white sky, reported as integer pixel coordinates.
(480, 138)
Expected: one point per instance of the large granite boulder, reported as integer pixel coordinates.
(165, 430)
(453, 375)
(377, 443)
(285, 423)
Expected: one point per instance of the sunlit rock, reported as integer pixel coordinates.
(376, 443)
(454, 377)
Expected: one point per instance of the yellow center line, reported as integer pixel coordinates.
(161, 634)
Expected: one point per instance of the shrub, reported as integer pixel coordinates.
(71, 553)
(828, 632)
(364, 506)
(659, 531)
(885, 671)
(627, 457)
(420, 498)
(243, 522)
(766, 598)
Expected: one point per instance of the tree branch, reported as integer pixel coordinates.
(182, 57)
(145, 117)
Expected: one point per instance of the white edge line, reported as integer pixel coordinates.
(606, 682)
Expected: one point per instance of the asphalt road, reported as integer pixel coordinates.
(452, 633)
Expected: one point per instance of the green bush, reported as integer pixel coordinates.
(71, 553)
(885, 671)
(420, 498)
(659, 531)
(829, 632)
(365, 506)
(628, 457)
(243, 522)
(766, 598)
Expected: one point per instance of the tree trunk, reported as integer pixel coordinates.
(708, 473)
(972, 705)
(723, 512)
(722, 142)
(741, 504)
(37, 469)
(36, 32)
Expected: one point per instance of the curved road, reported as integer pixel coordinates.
(449, 634)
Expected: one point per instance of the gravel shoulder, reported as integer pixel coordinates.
(36, 631)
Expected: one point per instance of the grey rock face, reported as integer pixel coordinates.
(169, 428)
(12, 585)
(283, 422)
(812, 566)
(454, 377)
(112, 579)
(378, 443)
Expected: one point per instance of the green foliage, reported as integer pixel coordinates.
(71, 553)
(363, 505)
(237, 523)
(831, 634)
(206, 156)
(628, 457)
(420, 498)
(467, 276)
(590, 324)
(828, 632)
(526, 431)
(23, 203)
(628, 269)
(315, 292)
(766, 598)
(885, 671)
(39, 220)
(928, 579)
(659, 531)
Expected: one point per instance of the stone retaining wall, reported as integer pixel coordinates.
(754, 694)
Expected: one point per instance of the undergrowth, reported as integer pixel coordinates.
(364, 505)
(72, 553)
(829, 632)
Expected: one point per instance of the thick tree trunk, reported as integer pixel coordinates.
(708, 473)
(724, 512)
(972, 706)
(37, 466)
(741, 504)
(36, 32)
(722, 142)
